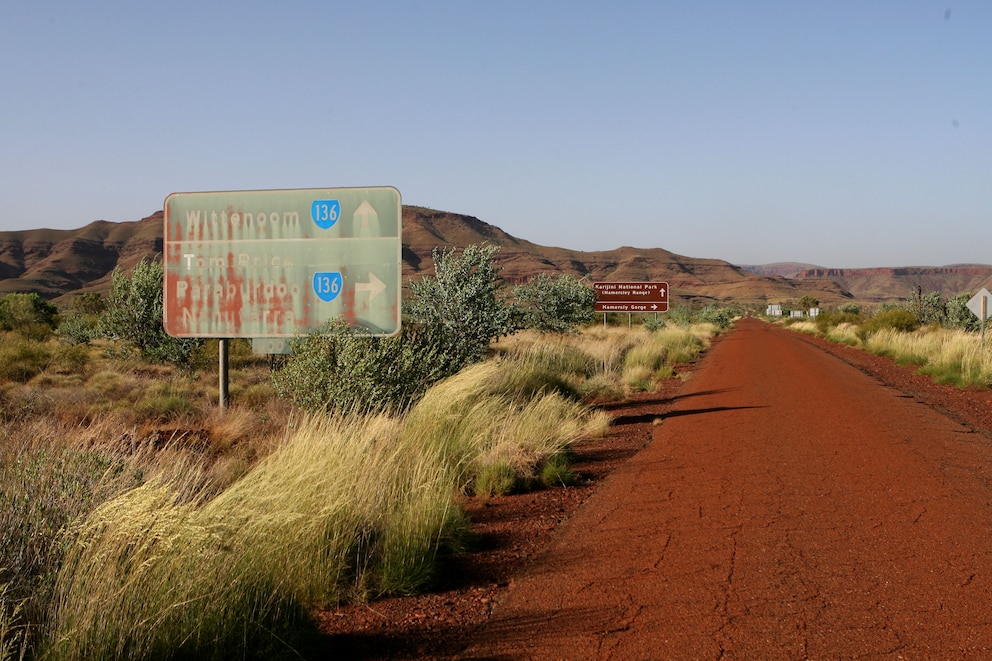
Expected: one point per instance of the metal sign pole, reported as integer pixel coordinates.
(222, 371)
(984, 314)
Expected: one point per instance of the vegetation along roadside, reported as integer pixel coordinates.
(938, 334)
(140, 522)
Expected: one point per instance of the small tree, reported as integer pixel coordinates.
(134, 316)
(82, 323)
(461, 303)
(29, 314)
(930, 308)
(808, 302)
(960, 316)
(555, 305)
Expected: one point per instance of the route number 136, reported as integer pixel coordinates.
(327, 285)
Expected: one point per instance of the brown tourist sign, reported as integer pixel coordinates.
(631, 296)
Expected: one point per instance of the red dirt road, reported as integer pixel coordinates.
(789, 507)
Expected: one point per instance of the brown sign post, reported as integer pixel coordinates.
(631, 296)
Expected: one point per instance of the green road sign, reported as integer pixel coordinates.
(277, 263)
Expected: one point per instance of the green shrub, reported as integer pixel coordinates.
(960, 316)
(718, 315)
(654, 323)
(897, 319)
(339, 369)
(28, 313)
(78, 329)
(134, 316)
(461, 305)
(554, 305)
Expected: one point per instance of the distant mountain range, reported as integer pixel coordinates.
(59, 264)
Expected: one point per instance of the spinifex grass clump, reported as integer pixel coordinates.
(843, 333)
(653, 359)
(345, 508)
(949, 356)
(497, 414)
(45, 485)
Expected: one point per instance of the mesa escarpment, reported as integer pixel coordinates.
(60, 263)
(881, 284)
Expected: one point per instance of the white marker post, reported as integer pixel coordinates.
(979, 305)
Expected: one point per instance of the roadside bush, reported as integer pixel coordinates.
(78, 329)
(720, 316)
(29, 314)
(565, 359)
(134, 316)
(461, 305)
(930, 309)
(681, 315)
(652, 360)
(555, 471)
(959, 316)
(897, 319)
(844, 333)
(554, 305)
(339, 369)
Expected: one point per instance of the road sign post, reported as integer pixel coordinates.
(631, 297)
(979, 305)
(279, 263)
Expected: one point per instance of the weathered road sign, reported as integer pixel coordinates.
(631, 296)
(276, 263)
(981, 304)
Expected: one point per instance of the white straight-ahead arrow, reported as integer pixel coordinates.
(374, 286)
(363, 213)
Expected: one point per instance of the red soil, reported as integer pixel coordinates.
(799, 500)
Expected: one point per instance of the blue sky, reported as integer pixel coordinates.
(841, 134)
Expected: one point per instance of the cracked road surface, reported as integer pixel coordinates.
(788, 507)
